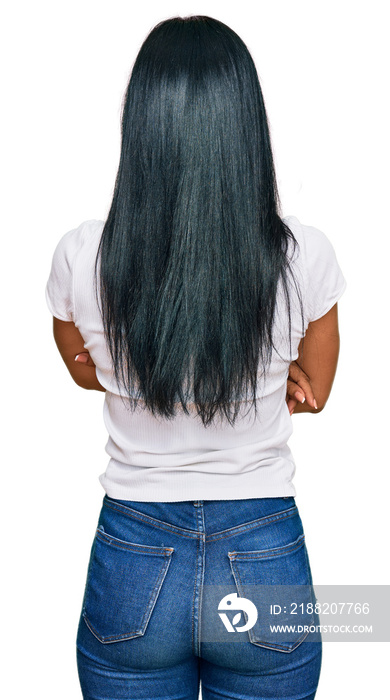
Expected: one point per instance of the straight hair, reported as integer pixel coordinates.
(193, 247)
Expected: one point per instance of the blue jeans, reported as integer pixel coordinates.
(155, 619)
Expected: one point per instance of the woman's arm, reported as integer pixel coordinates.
(70, 343)
(318, 358)
(317, 361)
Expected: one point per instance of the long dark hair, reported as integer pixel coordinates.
(193, 246)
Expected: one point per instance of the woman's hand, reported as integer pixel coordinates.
(298, 383)
(70, 342)
(298, 388)
(85, 358)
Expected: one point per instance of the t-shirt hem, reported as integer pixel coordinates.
(174, 493)
(53, 311)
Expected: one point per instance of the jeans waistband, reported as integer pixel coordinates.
(208, 519)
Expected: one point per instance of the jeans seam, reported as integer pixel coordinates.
(243, 527)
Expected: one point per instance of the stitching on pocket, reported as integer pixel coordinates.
(268, 553)
(132, 546)
(123, 585)
(241, 563)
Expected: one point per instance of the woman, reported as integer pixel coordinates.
(188, 307)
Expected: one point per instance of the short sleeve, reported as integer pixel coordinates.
(325, 280)
(59, 287)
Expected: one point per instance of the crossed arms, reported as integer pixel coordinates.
(310, 377)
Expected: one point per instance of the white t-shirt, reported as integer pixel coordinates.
(152, 459)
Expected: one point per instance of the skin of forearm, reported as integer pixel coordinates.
(306, 408)
(87, 379)
(90, 381)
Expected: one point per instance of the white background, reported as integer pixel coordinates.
(322, 67)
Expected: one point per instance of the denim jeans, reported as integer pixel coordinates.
(155, 619)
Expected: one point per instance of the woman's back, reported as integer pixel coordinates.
(152, 458)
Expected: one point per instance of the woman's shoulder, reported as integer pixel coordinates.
(83, 233)
(82, 236)
(318, 262)
(75, 245)
(312, 242)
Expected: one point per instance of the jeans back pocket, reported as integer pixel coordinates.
(278, 582)
(123, 583)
